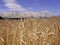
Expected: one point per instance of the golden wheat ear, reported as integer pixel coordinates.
(32, 31)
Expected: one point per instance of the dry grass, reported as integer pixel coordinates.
(30, 32)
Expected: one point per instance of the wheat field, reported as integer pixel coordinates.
(30, 32)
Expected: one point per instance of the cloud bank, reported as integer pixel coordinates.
(13, 5)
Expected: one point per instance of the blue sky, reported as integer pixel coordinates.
(30, 5)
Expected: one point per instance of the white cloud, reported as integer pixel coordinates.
(30, 8)
(12, 5)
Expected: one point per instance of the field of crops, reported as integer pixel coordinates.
(45, 31)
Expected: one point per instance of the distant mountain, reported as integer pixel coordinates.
(1, 17)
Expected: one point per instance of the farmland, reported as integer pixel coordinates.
(32, 31)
